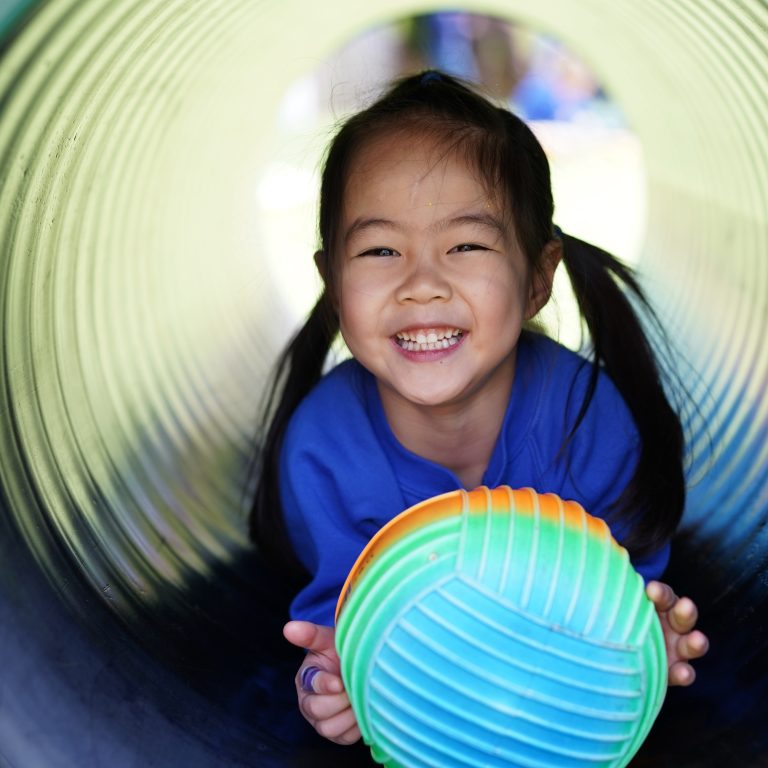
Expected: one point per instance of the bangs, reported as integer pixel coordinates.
(497, 146)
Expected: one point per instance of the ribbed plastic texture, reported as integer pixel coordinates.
(500, 628)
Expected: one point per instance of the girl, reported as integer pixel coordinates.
(437, 248)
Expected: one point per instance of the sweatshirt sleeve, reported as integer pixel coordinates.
(337, 489)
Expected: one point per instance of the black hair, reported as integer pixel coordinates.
(511, 162)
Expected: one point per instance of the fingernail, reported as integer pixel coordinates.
(308, 675)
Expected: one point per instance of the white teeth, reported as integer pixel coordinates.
(428, 337)
(432, 340)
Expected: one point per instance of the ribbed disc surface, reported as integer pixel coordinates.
(500, 627)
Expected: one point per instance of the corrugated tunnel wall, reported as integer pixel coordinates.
(139, 322)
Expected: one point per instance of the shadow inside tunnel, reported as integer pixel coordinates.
(720, 719)
(238, 659)
(206, 678)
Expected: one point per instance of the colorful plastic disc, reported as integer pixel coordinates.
(500, 628)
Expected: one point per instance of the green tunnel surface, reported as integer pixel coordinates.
(135, 310)
(139, 322)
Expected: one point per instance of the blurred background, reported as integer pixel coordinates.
(158, 173)
(596, 158)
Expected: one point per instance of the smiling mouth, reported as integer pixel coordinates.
(428, 339)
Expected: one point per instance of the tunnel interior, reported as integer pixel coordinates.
(141, 316)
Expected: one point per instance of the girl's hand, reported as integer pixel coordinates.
(678, 617)
(322, 698)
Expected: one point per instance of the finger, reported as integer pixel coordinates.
(681, 673)
(661, 595)
(683, 616)
(693, 645)
(313, 679)
(324, 707)
(313, 637)
(337, 727)
(350, 737)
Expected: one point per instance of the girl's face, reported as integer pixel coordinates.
(433, 288)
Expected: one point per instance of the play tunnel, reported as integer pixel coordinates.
(143, 302)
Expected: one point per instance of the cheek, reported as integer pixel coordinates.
(356, 314)
(500, 285)
(362, 279)
(362, 294)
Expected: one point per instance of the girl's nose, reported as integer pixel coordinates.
(424, 281)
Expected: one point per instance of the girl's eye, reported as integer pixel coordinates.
(467, 247)
(379, 252)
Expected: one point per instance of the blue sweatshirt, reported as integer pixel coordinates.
(343, 473)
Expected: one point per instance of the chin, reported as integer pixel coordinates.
(431, 399)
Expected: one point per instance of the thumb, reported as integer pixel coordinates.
(312, 637)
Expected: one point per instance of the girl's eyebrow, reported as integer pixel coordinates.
(361, 223)
(483, 219)
(475, 218)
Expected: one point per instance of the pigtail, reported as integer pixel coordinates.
(298, 369)
(653, 501)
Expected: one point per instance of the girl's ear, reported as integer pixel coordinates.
(542, 277)
(321, 262)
